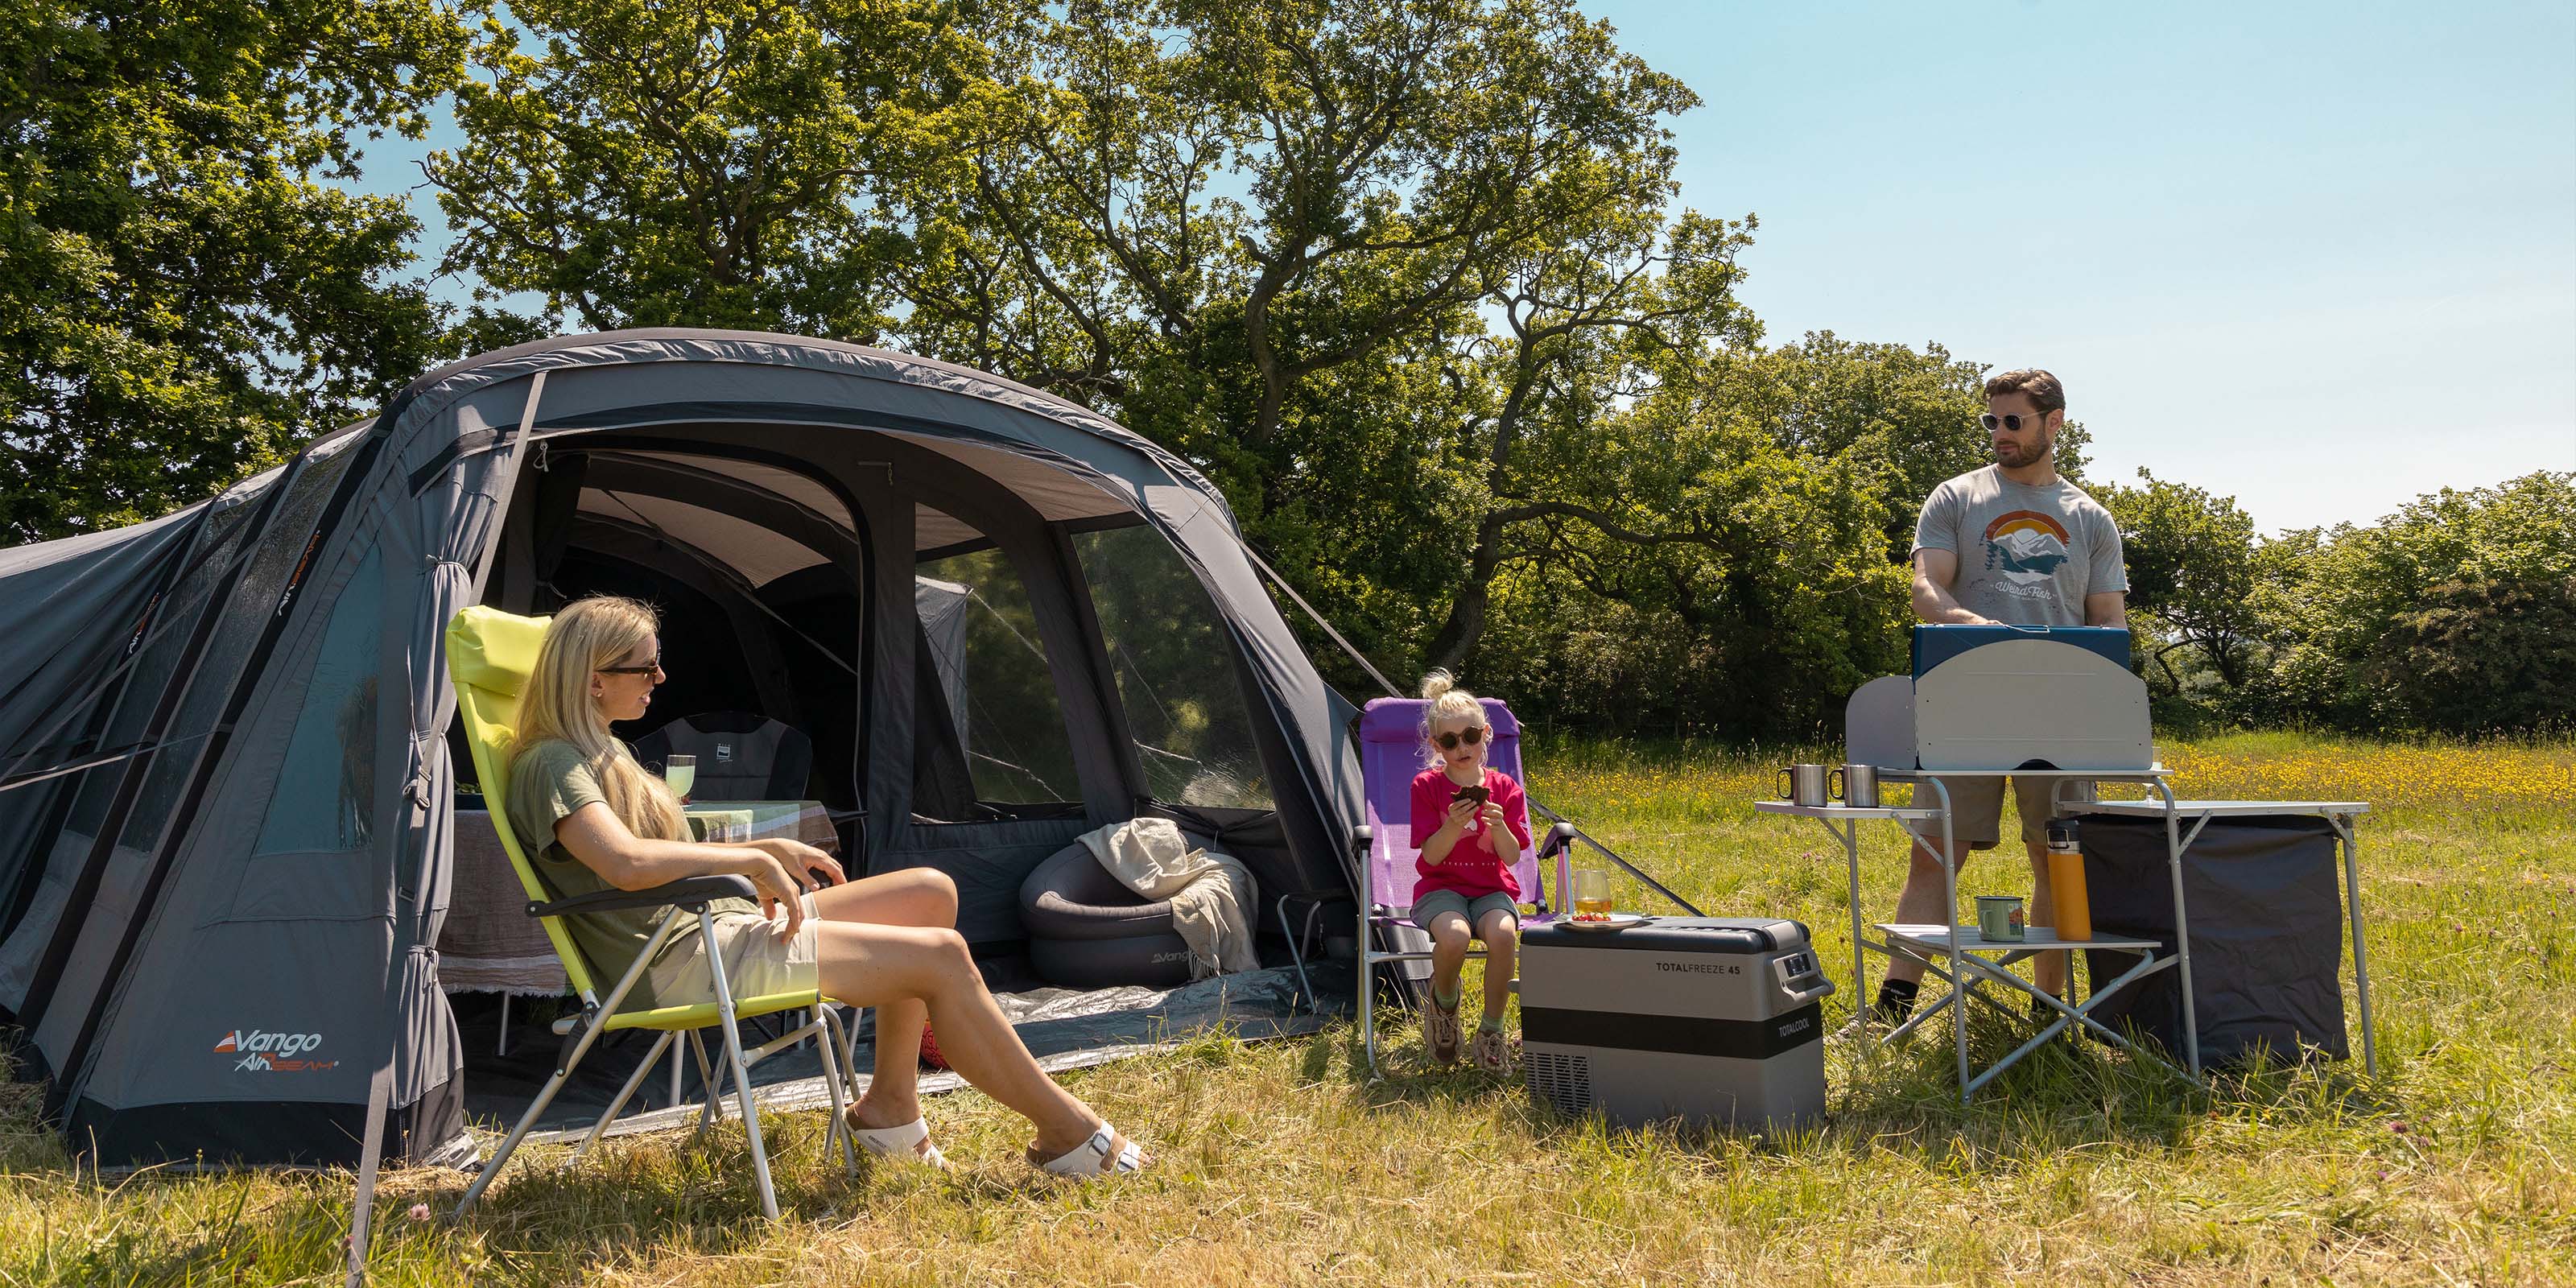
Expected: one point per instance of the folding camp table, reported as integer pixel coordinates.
(1950, 951)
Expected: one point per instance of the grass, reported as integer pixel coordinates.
(1278, 1166)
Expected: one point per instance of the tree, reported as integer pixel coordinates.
(717, 164)
(2192, 572)
(183, 293)
(2485, 656)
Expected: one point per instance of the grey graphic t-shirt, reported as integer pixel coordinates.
(2027, 555)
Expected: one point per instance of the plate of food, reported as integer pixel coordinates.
(1605, 920)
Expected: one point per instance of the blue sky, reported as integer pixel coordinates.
(2318, 257)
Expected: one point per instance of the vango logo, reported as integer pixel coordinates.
(259, 1043)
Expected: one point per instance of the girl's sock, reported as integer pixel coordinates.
(1448, 1001)
(1490, 1024)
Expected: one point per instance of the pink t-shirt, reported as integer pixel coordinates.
(1473, 868)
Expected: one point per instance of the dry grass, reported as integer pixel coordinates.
(1279, 1167)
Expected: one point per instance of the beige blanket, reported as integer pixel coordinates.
(1211, 893)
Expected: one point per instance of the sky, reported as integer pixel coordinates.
(2317, 257)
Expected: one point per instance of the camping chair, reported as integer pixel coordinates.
(489, 654)
(1390, 756)
(741, 756)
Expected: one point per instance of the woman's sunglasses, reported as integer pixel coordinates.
(646, 669)
(1449, 741)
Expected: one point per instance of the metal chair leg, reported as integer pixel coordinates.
(741, 1071)
(708, 1085)
(624, 1093)
(828, 1029)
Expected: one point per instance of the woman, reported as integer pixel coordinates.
(884, 941)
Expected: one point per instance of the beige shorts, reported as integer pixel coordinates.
(1977, 808)
(757, 962)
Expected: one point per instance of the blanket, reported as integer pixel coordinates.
(1211, 893)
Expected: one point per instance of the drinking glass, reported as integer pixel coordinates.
(681, 772)
(1591, 890)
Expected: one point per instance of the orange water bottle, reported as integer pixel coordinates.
(2066, 895)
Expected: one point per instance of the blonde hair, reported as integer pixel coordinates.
(1445, 701)
(556, 706)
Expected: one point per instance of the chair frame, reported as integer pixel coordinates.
(487, 713)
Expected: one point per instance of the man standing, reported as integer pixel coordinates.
(2010, 544)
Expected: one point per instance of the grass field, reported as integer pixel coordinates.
(1279, 1166)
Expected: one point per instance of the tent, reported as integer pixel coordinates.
(227, 788)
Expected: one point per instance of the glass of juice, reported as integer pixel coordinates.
(681, 772)
(1591, 891)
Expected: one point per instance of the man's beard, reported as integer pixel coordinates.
(2009, 455)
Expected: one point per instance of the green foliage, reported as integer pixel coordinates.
(2484, 656)
(2192, 577)
(184, 293)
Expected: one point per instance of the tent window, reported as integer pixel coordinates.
(326, 789)
(991, 731)
(1175, 671)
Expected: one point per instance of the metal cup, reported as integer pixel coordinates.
(1999, 918)
(1856, 785)
(1803, 785)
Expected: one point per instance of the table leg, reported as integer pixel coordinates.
(1851, 853)
(1950, 913)
(2348, 829)
(2182, 928)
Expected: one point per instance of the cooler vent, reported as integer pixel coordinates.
(1564, 1081)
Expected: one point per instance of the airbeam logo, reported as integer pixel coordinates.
(263, 1052)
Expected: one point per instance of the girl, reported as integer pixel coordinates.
(887, 941)
(1472, 823)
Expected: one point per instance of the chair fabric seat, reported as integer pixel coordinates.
(702, 1014)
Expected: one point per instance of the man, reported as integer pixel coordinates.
(2011, 543)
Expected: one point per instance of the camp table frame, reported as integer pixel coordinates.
(1953, 950)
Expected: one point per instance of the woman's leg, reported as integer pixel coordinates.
(912, 897)
(870, 965)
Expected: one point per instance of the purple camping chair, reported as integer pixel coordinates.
(1390, 755)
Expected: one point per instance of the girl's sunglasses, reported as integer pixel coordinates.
(1449, 741)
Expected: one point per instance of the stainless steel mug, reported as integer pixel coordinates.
(1803, 785)
(1856, 785)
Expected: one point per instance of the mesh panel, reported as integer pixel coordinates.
(1176, 677)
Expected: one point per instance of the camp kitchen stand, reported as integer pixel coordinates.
(1984, 700)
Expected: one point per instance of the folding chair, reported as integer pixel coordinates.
(489, 654)
(1390, 757)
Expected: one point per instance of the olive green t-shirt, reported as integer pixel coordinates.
(548, 782)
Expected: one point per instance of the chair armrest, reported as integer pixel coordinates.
(1360, 838)
(691, 893)
(1559, 837)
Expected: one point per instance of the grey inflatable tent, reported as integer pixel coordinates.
(227, 791)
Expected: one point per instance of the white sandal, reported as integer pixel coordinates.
(907, 1141)
(1093, 1157)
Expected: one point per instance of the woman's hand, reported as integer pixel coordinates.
(797, 856)
(777, 887)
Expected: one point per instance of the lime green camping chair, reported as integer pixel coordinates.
(489, 654)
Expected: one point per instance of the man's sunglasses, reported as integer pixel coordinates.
(646, 669)
(2009, 420)
(1449, 741)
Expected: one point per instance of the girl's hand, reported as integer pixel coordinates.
(1462, 813)
(1492, 814)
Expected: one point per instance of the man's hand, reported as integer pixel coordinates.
(1935, 571)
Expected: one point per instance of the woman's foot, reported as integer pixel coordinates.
(1440, 1028)
(892, 1131)
(1493, 1048)
(1104, 1152)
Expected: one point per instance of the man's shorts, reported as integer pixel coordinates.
(1977, 807)
(756, 962)
(1432, 903)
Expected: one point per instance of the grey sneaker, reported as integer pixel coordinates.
(1493, 1051)
(1440, 1030)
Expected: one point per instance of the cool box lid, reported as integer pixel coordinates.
(1724, 936)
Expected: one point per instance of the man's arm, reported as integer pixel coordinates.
(2109, 608)
(1934, 570)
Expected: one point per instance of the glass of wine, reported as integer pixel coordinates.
(681, 772)
(1591, 891)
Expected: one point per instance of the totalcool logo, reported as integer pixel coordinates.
(272, 1052)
